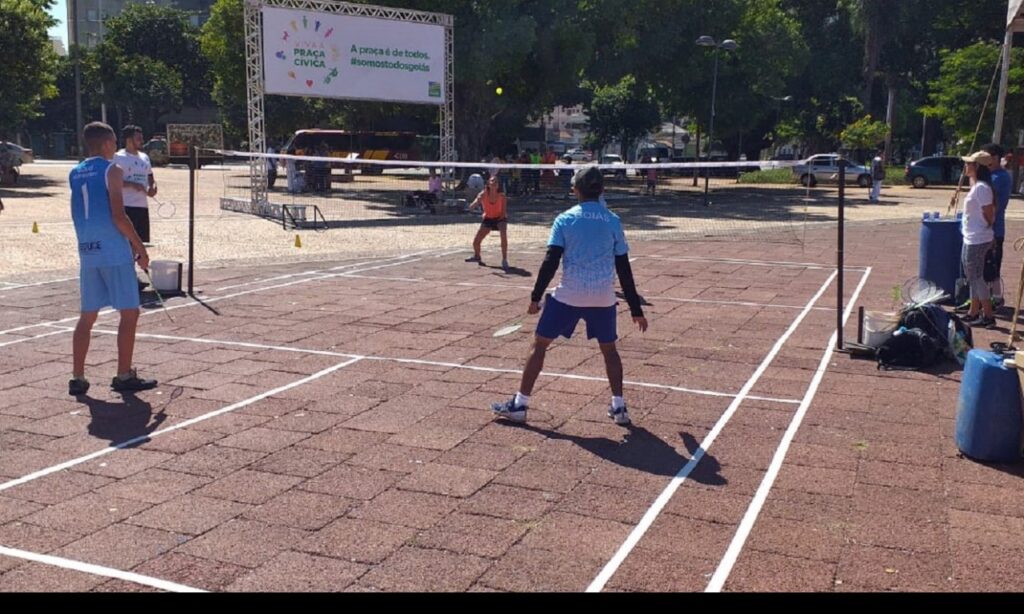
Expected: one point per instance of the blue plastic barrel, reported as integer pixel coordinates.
(939, 253)
(988, 416)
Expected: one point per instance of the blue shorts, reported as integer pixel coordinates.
(114, 286)
(559, 319)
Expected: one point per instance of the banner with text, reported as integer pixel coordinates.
(343, 56)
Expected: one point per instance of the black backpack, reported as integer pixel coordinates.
(911, 349)
(930, 318)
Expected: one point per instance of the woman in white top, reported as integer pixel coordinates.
(976, 227)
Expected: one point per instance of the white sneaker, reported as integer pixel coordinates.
(509, 411)
(620, 416)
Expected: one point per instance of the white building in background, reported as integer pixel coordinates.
(89, 15)
(568, 125)
(58, 45)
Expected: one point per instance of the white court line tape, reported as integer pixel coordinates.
(598, 583)
(24, 339)
(732, 553)
(434, 363)
(698, 301)
(763, 263)
(382, 278)
(320, 271)
(98, 570)
(14, 286)
(212, 299)
(141, 438)
(308, 273)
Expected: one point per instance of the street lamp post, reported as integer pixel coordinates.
(728, 45)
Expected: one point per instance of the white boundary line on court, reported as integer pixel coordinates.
(141, 438)
(434, 363)
(406, 259)
(764, 263)
(17, 286)
(24, 339)
(698, 301)
(598, 583)
(98, 570)
(732, 553)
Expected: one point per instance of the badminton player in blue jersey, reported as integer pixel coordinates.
(589, 242)
(108, 248)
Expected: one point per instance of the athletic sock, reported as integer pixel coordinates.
(522, 400)
(618, 402)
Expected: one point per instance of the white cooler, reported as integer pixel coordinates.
(166, 276)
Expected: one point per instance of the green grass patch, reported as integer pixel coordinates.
(895, 175)
(775, 175)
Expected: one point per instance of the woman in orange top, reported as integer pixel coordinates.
(494, 206)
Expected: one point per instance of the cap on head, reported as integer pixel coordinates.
(979, 157)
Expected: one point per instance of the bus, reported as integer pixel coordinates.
(368, 145)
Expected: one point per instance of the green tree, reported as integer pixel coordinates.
(957, 96)
(865, 133)
(29, 62)
(654, 40)
(149, 64)
(59, 113)
(625, 112)
(222, 41)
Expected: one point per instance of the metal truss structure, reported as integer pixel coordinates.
(254, 75)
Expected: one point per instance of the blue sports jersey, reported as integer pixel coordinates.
(592, 237)
(1001, 185)
(100, 243)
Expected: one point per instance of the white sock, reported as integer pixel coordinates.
(522, 400)
(618, 402)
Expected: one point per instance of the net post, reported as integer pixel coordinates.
(840, 256)
(193, 162)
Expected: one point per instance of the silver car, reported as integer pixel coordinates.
(17, 152)
(823, 168)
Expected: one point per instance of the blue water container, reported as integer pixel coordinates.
(988, 416)
(939, 253)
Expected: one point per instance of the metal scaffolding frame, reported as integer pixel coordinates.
(254, 75)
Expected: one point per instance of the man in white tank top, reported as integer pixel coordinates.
(139, 183)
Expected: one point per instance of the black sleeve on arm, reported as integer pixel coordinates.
(547, 272)
(625, 272)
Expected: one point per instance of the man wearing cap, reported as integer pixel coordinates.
(591, 241)
(1001, 185)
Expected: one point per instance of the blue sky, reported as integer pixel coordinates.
(60, 12)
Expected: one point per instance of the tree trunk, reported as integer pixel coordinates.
(890, 114)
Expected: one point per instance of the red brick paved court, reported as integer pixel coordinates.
(324, 427)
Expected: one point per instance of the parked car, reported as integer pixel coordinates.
(934, 170)
(823, 168)
(17, 151)
(156, 149)
(616, 160)
(578, 155)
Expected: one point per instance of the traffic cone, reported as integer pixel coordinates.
(298, 241)
(35, 228)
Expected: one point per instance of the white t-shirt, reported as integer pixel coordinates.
(137, 169)
(975, 229)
